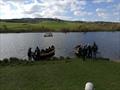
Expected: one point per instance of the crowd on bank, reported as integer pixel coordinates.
(87, 50)
(82, 50)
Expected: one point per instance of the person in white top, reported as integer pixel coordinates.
(89, 86)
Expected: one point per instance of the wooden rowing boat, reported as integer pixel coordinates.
(44, 54)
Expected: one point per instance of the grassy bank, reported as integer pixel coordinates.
(65, 74)
(57, 26)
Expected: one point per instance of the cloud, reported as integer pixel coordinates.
(9, 10)
(116, 11)
(102, 12)
(33, 9)
(82, 13)
(63, 9)
(20, 1)
(102, 1)
(108, 15)
(78, 8)
(47, 8)
(57, 8)
(118, 6)
(77, 5)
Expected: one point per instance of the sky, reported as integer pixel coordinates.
(82, 10)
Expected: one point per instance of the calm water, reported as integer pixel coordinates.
(17, 44)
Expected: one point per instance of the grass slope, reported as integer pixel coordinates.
(60, 75)
(57, 26)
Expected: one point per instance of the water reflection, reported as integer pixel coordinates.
(16, 45)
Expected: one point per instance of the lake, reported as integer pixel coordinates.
(17, 44)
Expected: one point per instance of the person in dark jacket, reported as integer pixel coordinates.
(84, 52)
(29, 54)
(89, 51)
(37, 52)
(94, 49)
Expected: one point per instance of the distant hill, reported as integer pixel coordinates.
(30, 20)
(36, 20)
(55, 25)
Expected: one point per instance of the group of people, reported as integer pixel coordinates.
(87, 51)
(36, 54)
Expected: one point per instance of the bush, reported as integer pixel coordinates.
(65, 30)
(5, 60)
(54, 58)
(61, 58)
(68, 58)
(14, 59)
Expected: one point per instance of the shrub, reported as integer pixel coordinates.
(14, 59)
(5, 60)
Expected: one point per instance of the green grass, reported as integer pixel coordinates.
(60, 75)
(57, 27)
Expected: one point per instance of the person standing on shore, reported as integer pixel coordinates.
(89, 51)
(94, 49)
(37, 53)
(84, 52)
(29, 54)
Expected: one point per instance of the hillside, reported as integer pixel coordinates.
(55, 25)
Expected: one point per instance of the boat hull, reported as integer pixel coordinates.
(45, 55)
(76, 51)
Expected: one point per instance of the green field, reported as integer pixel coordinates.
(65, 74)
(57, 26)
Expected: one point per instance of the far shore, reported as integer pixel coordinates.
(57, 26)
(55, 31)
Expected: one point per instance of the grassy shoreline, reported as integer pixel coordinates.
(61, 74)
(55, 26)
(55, 31)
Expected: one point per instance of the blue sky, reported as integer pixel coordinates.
(85, 10)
